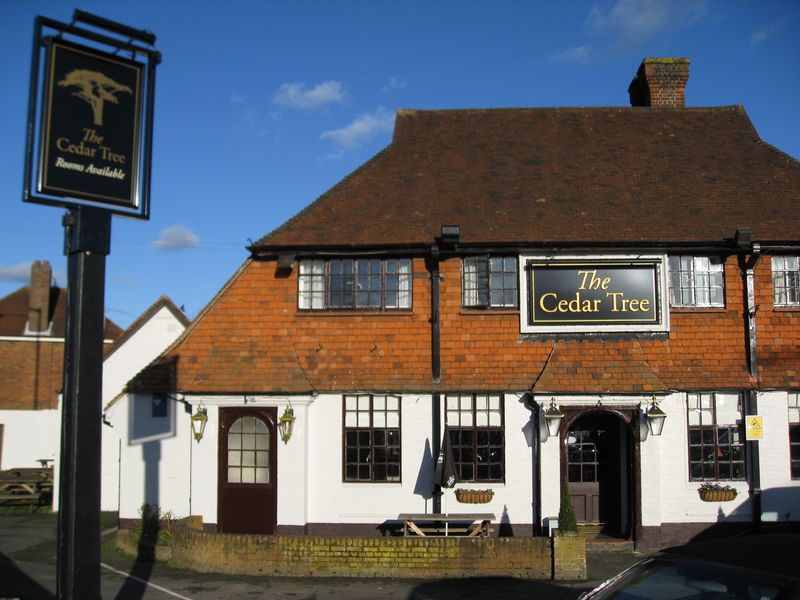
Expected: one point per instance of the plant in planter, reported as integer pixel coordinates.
(714, 492)
(566, 514)
(474, 496)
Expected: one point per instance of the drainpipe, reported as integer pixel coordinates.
(436, 367)
(747, 265)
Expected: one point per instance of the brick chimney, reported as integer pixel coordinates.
(39, 298)
(660, 82)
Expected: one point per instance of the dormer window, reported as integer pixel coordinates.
(489, 282)
(355, 284)
(696, 281)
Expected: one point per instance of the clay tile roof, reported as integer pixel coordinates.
(586, 366)
(544, 176)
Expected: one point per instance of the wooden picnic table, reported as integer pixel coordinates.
(32, 486)
(441, 524)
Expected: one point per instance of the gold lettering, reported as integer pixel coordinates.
(541, 303)
(595, 282)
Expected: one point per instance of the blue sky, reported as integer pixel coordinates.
(262, 106)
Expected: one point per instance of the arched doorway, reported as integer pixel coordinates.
(598, 469)
(247, 492)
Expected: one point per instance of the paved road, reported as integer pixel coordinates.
(28, 563)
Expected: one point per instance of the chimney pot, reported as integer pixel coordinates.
(660, 82)
(39, 297)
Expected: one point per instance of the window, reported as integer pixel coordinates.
(794, 433)
(716, 441)
(786, 280)
(489, 282)
(696, 281)
(248, 451)
(348, 284)
(475, 422)
(159, 406)
(371, 438)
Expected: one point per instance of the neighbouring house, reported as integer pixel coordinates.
(136, 423)
(32, 328)
(548, 287)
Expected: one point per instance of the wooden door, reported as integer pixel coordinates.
(593, 471)
(248, 490)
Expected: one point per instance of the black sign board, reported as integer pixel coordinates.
(91, 125)
(593, 293)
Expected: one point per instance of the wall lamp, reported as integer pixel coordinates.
(552, 418)
(655, 418)
(199, 420)
(286, 423)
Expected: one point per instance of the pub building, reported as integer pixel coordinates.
(605, 300)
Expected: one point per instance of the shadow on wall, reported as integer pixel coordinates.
(780, 512)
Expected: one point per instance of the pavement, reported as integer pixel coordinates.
(28, 571)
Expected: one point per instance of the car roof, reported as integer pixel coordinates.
(770, 552)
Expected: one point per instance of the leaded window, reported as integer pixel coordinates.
(475, 425)
(786, 280)
(355, 284)
(489, 282)
(248, 451)
(371, 438)
(696, 281)
(716, 440)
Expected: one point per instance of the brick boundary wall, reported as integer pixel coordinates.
(569, 556)
(328, 556)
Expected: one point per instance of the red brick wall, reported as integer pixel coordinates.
(30, 374)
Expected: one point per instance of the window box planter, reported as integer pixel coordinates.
(474, 496)
(713, 492)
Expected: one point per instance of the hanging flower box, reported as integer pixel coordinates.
(714, 492)
(474, 496)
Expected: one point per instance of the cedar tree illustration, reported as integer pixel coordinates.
(95, 88)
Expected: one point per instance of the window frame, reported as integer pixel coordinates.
(371, 447)
(793, 417)
(790, 281)
(484, 282)
(333, 284)
(715, 429)
(676, 295)
(455, 433)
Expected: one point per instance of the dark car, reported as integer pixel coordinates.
(753, 567)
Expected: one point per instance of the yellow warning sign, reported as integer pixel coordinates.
(755, 427)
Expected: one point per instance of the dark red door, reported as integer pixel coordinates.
(247, 470)
(593, 471)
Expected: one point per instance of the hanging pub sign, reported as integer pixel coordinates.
(593, 295)
(91, 125)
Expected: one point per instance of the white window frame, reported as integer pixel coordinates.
(695, 276)
(477, 283)
(786, 281)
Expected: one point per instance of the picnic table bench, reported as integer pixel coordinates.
(32, 486)
(440, 524)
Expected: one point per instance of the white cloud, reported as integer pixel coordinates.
(395, 83)
(238, 99)
(633, 22)
(176, 237)
(577, 54)
(20, 272)
(363, 128)
(297, 96)
(765, 32)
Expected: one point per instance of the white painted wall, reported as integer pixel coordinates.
(29, 435)
(139, 350)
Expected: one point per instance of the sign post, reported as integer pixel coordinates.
(90, 133)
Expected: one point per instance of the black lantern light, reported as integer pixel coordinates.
(655, 418)
(553, 417)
